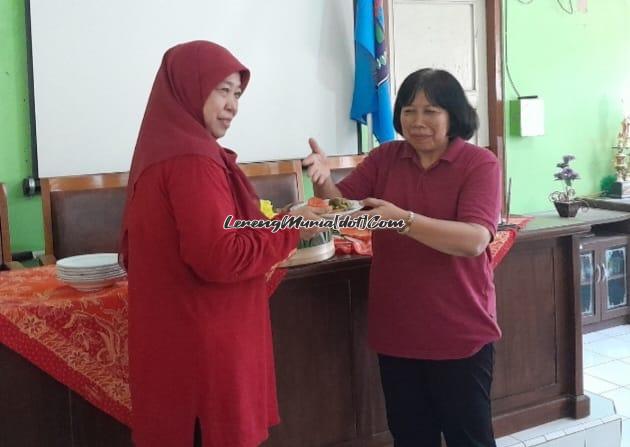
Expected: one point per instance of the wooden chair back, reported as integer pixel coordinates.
(342, 165)
(278, 181)
(83, 213)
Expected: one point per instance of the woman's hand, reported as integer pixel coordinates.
(308, 213)
(316, 164)
(386, 210)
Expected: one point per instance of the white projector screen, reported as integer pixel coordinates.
(93, 64)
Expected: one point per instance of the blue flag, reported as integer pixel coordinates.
(371, 72)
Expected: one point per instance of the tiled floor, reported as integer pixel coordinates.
(600, 429)
(607, 382)
(607, 370)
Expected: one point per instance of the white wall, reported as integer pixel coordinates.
(94, 64)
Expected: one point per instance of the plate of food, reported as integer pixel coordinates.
(338, 206)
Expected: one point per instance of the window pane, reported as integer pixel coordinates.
(586, 293)
(586, 281)
(616, 261)
(616, 293)
(616, 277)
(586, 261)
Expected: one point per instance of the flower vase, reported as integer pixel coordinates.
(567, 209)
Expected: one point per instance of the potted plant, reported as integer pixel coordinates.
(564, 200)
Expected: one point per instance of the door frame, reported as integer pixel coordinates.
(494, 61)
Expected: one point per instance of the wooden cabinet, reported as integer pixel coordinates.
(329, 389)
(604, 280)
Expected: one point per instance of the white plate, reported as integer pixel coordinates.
(69, 278)
(355, 205)
(91, 286)
(92, 271)
(89, 261)
(83, 274)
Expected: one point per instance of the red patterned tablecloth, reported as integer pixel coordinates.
(359, 241)
(504, 239)
(78, 338)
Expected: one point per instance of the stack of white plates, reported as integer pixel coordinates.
(90, 272)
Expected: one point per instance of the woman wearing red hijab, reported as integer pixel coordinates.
(200, 351)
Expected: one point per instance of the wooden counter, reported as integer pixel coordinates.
(609, 203)
(549, 224)
(328, 382)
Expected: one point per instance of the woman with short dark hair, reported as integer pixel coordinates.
(432, 306)
(443, 90)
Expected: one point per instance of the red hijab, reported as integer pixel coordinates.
(173, 123)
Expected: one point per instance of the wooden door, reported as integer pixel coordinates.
(446, 34)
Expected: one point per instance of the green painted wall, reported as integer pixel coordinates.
(580, 65)
(15, 159)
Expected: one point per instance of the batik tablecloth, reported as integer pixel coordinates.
(78, 338)
(359, 241)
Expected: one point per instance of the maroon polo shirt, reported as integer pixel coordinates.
(426, 304)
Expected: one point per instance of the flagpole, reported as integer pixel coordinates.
(370, 140)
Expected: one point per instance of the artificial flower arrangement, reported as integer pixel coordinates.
(568, 175)
(564, 200)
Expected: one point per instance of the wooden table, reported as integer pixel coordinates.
(328, 382)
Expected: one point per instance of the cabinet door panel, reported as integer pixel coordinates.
(604, 277)
(614, 301)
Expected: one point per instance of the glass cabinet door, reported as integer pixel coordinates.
(587, 283)
(615, 275)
